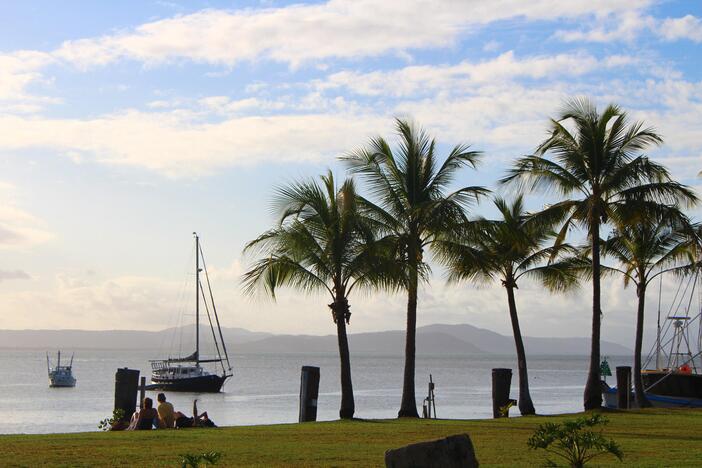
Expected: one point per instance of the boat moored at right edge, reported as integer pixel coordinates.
(676, 379)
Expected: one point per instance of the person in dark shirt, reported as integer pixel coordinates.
(148, 416)
(198, 420)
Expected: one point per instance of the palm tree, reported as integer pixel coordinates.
(649, 240)
(413, 206)
(509, 248)
(323, 242)
(594, 162)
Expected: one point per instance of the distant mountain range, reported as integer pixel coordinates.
(435, 339)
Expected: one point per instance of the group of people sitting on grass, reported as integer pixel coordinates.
(165, 417)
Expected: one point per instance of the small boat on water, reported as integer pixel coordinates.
(676, 380)
(60, 376)
(186, 374)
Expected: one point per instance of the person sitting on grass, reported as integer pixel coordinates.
(148, 417)
(165, 411)
(202, 420)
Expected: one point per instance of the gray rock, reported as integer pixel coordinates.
(453, 451)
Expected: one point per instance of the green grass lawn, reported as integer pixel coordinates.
(654, 437)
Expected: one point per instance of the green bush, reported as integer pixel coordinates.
(190, 460)
(573, 441)
(107, 423)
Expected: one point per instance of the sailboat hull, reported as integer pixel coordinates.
(198, 384)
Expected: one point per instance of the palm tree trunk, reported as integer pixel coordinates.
(638, 381)
(408, 405)
(526, 406)
(592, 397)
(340, 308)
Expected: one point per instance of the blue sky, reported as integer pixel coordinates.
(125, 126)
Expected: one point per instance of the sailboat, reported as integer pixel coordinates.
(676, 379)
(186, 374)
(60, 376)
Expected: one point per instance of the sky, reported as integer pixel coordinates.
(125, 126)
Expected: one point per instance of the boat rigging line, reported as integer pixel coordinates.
(214, 308)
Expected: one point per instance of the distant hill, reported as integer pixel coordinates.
(438, 339)
(117, 339)
(491, 342)
(381, 343)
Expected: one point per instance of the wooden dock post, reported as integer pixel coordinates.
(501, 383)
(623, 387)
(142, 391)
(126, 385)
(309, 392)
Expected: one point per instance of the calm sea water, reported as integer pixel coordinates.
(265, 388)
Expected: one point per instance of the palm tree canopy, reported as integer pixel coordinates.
(596, 159)
(323, 241)
(411, 185)
(510, 247)
(649, 240)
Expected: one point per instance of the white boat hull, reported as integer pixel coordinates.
(62, 382)
(60, 376)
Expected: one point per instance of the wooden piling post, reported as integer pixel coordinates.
(309, 392)
(623, 387)
(501, 382)
(142, 392)
(126, 386)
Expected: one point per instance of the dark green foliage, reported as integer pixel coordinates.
(595, 163)
(190, 460)
(575, 441)
(107, 423)
(412, 204)
(649, 240)
(514, 246)
(325, 240)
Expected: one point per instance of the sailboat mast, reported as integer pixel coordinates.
(658, 329)
(197, 299)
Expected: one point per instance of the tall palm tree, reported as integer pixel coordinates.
(322, 242)
(508, 249)
(648, 241)
(594, 162)
(413, 205)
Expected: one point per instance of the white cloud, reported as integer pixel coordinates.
(88, 301)
(223, 105)
(85, 301)
(628, 25)
(19, 70)
(300, 33)
(506, 67)
(18, 228)
(502, 117)
(13, 275)
(490, 109)
(687, 27)
(679, 120)
(625, 26)
(173, 144)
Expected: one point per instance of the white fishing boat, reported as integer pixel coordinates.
(60, 376)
